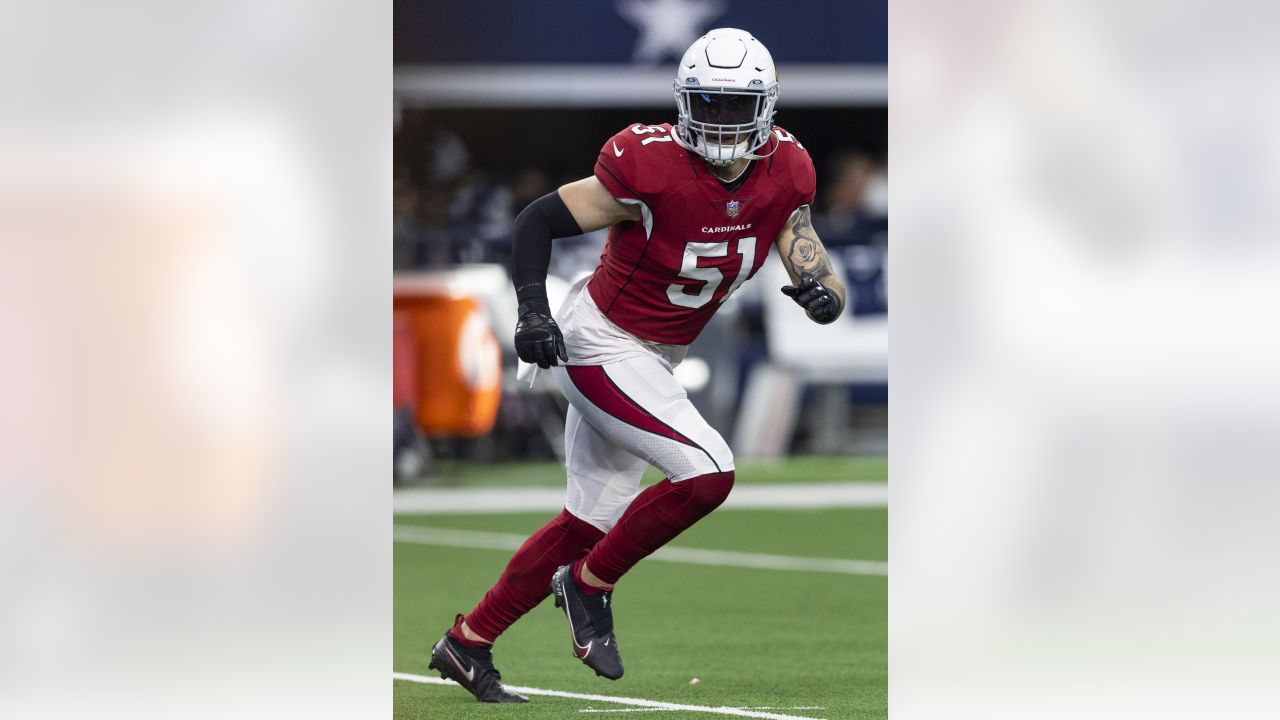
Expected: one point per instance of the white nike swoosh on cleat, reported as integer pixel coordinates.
(616, 151)
(580, 650)
(470, 674)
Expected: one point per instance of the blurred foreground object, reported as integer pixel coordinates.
(449, 353)
(1086, 400)
(196, 332)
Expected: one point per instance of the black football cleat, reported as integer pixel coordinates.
(590, 624)
(472, 668)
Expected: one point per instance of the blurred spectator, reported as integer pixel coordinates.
(404, 218)
(855, 202)
(446, 212)
(529, 184)
(479, 220)
(853, 223)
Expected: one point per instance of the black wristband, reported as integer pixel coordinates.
(532, 291)
(534, 305)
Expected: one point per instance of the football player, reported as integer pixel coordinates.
(693, 211)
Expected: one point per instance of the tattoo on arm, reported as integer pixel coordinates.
(806, 255)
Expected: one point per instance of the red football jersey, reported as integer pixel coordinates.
(663, 278)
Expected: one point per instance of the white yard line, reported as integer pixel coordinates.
(420, 535)
(788, 496)
(648, 709)
(637, 702)
(622, 710)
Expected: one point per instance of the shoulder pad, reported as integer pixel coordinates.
(793, 159)
(636, 161)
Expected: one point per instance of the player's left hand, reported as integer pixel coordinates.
(818, 300)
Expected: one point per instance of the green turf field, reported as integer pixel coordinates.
(802, 644)
(453, 473)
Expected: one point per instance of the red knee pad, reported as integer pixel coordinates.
(655, 517)
(707, 492)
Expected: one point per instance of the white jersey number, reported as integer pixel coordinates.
(650, 130)
(784, 136)
(711, 277)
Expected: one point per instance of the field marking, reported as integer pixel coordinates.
(448, 537)
(622, 710)
(637, 702)
(788, 496)
(648, 709)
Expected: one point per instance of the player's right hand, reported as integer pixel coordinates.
(538, 338)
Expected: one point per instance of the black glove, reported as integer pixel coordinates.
(817, 299)
(538, 338)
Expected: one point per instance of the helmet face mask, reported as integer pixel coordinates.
(724, 125)
(725, 95)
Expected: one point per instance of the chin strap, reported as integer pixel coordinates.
(749, 156)
(776, 145)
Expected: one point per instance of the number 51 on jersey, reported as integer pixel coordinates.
(711, 276)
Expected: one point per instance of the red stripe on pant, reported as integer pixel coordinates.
(525, 581)
(595, 384)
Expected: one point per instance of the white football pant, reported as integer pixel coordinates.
(623, 416)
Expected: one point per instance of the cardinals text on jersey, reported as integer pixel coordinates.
(663, 278)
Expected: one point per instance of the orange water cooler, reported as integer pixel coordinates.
(447, 361)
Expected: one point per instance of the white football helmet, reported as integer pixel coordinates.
(726, 87)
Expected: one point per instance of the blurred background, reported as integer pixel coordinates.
(493, 111)
(195, 237)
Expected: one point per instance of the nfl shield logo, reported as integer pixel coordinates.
(732, 207)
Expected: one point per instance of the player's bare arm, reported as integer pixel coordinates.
(815, 285)
(802, 252)
(593, 207)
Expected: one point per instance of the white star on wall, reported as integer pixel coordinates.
(668, 27)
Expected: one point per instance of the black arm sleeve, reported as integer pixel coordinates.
(545, 219)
